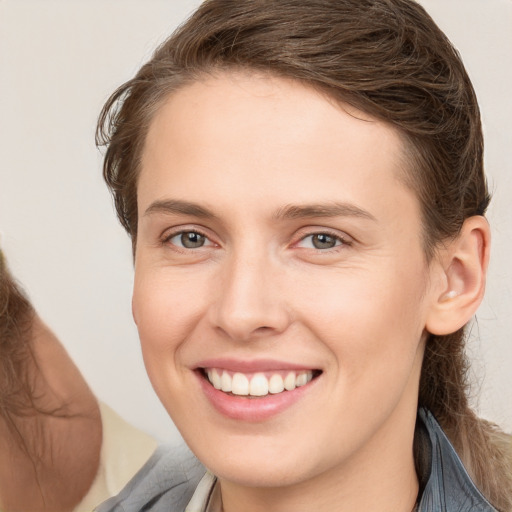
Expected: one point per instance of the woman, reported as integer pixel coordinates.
(304, 188)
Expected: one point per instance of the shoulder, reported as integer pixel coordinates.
(446, 483)
(166, 482)
(124, 451)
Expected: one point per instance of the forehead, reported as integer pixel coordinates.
(260, 136)
(249, 99)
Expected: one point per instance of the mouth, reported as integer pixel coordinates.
(257, 384)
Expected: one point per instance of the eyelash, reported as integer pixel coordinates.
(341, 242)
(166, 239)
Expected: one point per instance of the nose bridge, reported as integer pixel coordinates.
(250, 301)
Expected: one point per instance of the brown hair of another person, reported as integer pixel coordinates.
(50, 424)
(20, 374)
(390, 60)
(16, 355)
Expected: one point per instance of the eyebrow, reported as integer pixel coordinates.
(174, 206)
(334, 209)
(288, 212)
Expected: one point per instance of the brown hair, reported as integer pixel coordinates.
(387, 58)
(16, 355)
(20, 372)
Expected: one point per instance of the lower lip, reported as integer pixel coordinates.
(255, 409)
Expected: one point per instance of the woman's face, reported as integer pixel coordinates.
(279, 254)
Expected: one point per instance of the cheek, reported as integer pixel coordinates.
(165, 309)
(368, 318)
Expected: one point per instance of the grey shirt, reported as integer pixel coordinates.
(167, 482)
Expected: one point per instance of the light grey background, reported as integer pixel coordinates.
(60, 59)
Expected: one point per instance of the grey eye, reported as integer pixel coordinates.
(321, 241)
(189, 240)
(324, 241)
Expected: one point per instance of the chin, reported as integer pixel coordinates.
(255, 461)
(266, 474)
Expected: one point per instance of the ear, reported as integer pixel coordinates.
(463, 266)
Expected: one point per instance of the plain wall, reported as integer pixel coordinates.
(60, 59)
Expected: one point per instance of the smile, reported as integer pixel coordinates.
(257, 384)
(255, 391)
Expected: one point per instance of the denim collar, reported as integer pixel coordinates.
(447, 487)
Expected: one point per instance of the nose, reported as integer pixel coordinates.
(250, 302)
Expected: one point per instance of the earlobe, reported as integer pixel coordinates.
(464, 265)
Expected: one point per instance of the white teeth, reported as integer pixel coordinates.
(226, 383)
(240, 384)
(289, 381)
(303, 378)
(257, 384)
(214, 377)
(275, 384)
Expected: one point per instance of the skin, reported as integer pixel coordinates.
(245, 148)
(64, 452)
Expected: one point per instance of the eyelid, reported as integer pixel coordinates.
(346, 240)
(170, 233)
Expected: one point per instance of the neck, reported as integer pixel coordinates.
(49, 451)
(380, 478)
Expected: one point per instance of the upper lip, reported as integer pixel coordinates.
(252, 366)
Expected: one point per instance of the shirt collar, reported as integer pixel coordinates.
(207, 496)
(445, 481)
